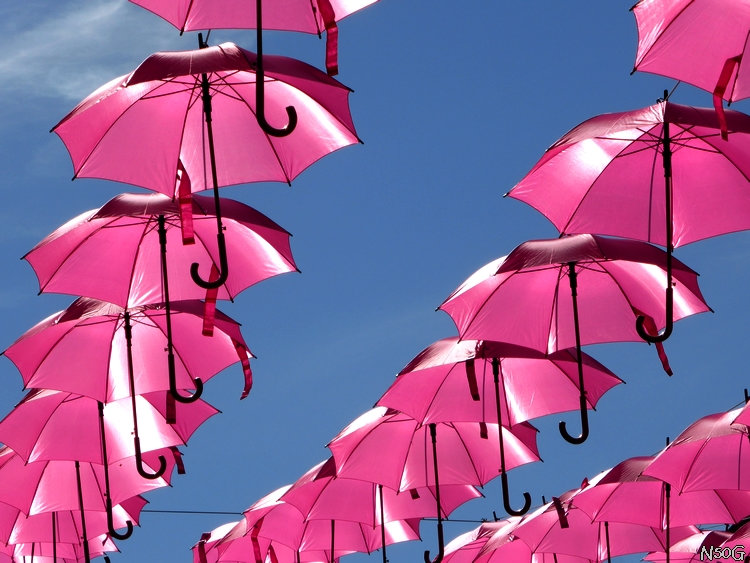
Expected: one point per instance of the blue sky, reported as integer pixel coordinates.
(454, 105)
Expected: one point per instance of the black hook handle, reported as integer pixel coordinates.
(223, 267)
(139, 462)
(111, 524)
(506, 499)
(639, 322)
(584, 425)
(260, 98)
(197, 382)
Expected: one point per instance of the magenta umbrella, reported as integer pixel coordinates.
(51, 425)
(602, 177)
(35, 552)
(271, 522)
(698, 547)
(559, 528)
(466, 452)
(48, 355)
(700, 42)
(179, 110)
(518, 298)
(69, 259)
(307, 16)
(140, 227)
(320, 494)
(486, 381)
(711, 453)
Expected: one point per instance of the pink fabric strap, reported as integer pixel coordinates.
(177, 454)
(202, 547)
(272, 555)
(483, 430)
(171, 414)
(720, 90)
(414, 493)
(185, 197)
(650, 326)
(242, 354)
(332, 37)
(471, 375)
(209, 307)
(254, 540)
(560, 512)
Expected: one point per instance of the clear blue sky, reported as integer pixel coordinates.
(455, 102)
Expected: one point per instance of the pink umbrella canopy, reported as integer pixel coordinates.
(711, 453)
(53, 425)
(141, 128)
(69, 260)
(37, 552)
(626, 494)
(604, 176)
(48, 355)
(320, 494)
(523, 298)
(698, 547)
(559, 528)
(466, 451)
(271, 522)
(701, 42)
(306, 16)
(451, 380)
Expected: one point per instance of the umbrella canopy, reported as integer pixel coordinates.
(52, 425)
(702, 42)
(523, 298)
(711, 453)
(626, 494)
(466, 452)
(141, 127)
(49, 354)
(451, 380)
(698, 547)
(69, 260)
(604, 175)
(306, 16)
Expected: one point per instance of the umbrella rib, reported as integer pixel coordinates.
(622, 152)
(266, 135)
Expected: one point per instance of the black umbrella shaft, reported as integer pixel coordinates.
(131, 378)
(667, 494)
(573, 277)
(103, 440)
(433, 436)
(382, 523)
(496, 378)
(86, 555)
(165, 280)
(668, 192)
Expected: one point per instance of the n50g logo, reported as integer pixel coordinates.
(712, 553)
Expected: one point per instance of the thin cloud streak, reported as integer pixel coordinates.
(47, 60)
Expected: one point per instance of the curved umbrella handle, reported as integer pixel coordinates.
(173, 384)
(639, 322)
(260, 98)
(111, 525)
(584, 426)
(506, 499)
(223, 267)
(139, 462)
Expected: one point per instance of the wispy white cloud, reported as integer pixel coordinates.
(67, 49)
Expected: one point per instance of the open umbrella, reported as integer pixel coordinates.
(320, 494)
(522, 299)
(701, 42)
(464, 454)
(141, 226)
(184, 110)
(486, 381)
(603, 177)
(308, 16)
(698, 547)
(48, 355)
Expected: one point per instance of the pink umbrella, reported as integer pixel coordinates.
(145, 127)
(696, 41)
(611, 164)
(711, 453)
(69, 259)
(466, 452)
(320, 494)
(306, 16)
(619, 281)
(450, 381)
(559, 528)
(48, 355)
(698, 547)
(36, 552)
(271, 522)
(51, 425)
